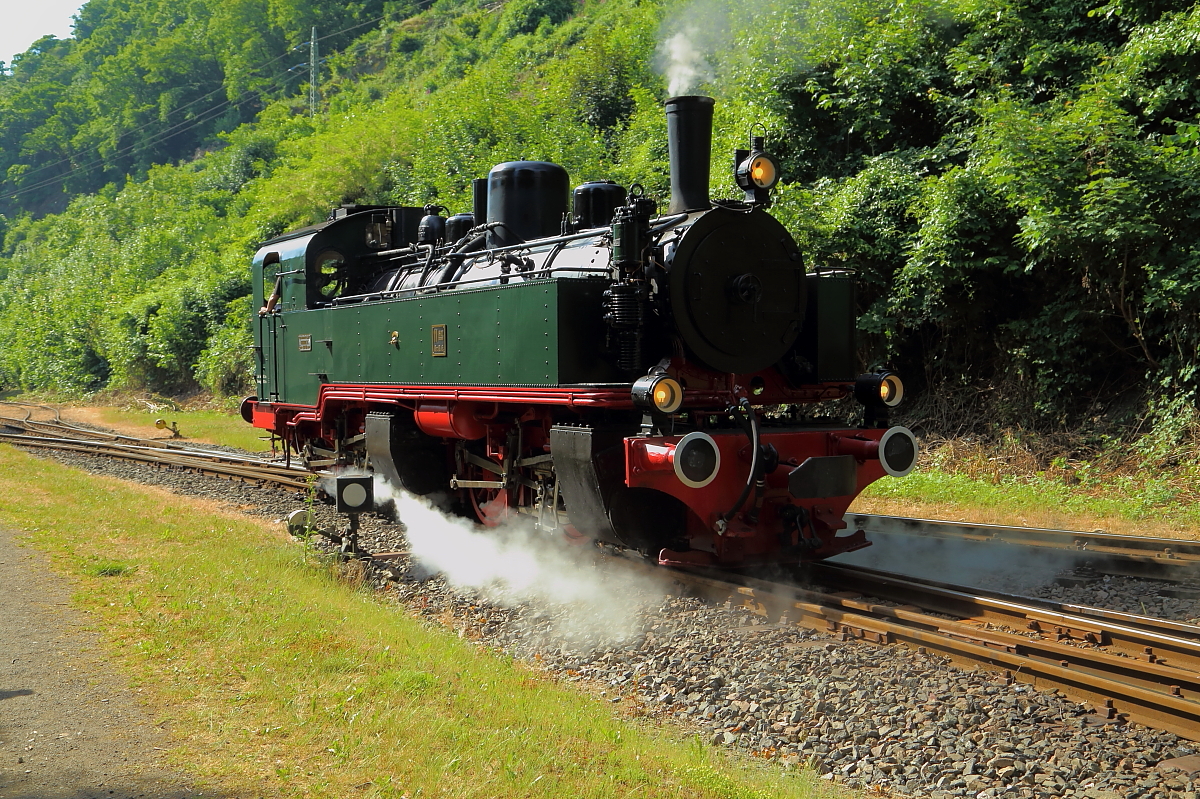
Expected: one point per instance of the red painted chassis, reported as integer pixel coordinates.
(757, 534)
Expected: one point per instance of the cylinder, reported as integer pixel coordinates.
(689, 139)
(449, 420)
(479, 195)
(526, 200)
(457, 226)
(595, 202)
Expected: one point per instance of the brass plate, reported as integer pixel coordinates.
(438, 337)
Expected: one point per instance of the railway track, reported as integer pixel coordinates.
(25, 431)
(1177, 560)
(1128, 667)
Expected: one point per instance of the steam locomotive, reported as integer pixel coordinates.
(612, 373)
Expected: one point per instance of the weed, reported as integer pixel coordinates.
(108, 568)
(1014, 479)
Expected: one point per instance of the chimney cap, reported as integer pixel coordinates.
(690, 99)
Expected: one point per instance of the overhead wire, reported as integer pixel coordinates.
(197, 120)
(181, 127)
(173, 111)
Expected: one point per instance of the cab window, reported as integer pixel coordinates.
(329, 275)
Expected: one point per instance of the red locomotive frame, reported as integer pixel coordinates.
(453, 414)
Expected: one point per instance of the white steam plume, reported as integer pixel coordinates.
(689, 44)
(684, 64)
(709, 46)
(514, 564)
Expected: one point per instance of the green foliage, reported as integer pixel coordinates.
(226, 367)
(526, 16)
(1013, 188)
(1015, 184)
(148, 83)
(600, 83)
(147, 282)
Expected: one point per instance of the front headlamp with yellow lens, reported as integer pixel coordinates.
(879, 389)
(758, 171)
(755, 171)
(657, 392)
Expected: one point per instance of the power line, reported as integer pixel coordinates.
(203, 116)
(314, 74)
(173, 111)
(182, 127)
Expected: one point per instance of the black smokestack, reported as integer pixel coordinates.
(689, 137)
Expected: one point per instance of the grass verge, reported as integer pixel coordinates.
(280, 679)
(208, 426)
(1124, 504)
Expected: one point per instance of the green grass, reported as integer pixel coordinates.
(280, 679)
(107, 568)
(1128, 498)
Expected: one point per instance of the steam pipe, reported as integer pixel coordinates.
(479, 200)
(689, 139)
(755, 458)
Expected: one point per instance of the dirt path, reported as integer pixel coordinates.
(96, 417)
(70, 727)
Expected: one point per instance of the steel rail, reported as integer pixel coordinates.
(66, 428)
(1157, 695)
(59, 426)
(201, 461)
(1032, 613)
(1106, 553)
(1156, 655)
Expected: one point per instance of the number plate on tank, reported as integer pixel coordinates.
(438, 336)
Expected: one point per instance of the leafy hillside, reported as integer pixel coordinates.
(1016, 184)
(151, 82)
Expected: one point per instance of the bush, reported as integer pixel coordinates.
(226, 367)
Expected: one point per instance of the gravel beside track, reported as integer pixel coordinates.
(1126, 595)
(886, 718)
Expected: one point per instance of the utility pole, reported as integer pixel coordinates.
(313, 73)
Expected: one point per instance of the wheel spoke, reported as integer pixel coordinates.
(490, 504)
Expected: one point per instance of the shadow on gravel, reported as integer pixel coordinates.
(18, 692)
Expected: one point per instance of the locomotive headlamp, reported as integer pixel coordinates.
(657, 392)
(758, 171)
(355, 494)
(879, 389)
(898, 451)
(696, 460)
